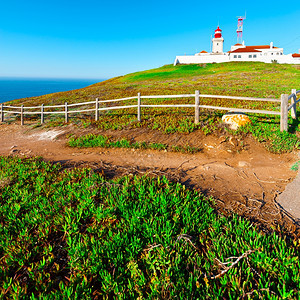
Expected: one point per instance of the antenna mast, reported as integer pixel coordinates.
(239, 30)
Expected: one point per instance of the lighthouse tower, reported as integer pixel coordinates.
(217, 42)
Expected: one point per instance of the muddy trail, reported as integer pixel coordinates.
(243, 177)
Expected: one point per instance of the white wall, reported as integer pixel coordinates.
(281, 59)
(197, 59)
(217, 46)
(210, 58)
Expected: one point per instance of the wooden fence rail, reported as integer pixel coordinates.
(67, 108)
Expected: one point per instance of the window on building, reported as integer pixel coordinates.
(239, 56)
(277, 53)
(254, 55)
(250, 56)
(281, 53)
(272, 53)
(234, 56)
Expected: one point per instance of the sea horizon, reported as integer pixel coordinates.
(12, 88)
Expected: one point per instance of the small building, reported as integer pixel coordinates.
(266, 53)
(239, 52)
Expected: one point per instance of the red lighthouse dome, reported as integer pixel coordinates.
(218, 33)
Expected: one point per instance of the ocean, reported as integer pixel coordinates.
(16, 88)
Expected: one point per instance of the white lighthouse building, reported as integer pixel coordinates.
(217, 42)
(239, 52)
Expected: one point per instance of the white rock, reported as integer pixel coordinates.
(235, 120)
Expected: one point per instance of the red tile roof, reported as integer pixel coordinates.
(262, 47)
(246, 49)
(203, 51)
(252, 48)
(296, 55)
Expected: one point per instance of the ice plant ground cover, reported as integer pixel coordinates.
(73, 234)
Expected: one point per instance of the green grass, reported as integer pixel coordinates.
(238, 79)
(268, 133)
(92, 140)
(264, 128)
(185, 149)
(75, 235)
(295, 166)
(171, 72)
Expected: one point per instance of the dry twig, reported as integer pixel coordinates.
(186, 238)
(225, 268)
(260, 290)
(152, 247)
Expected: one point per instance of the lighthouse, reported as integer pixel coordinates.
(239, 52)
(217, 42)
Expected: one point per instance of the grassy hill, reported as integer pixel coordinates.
(235, 78)
(73, 234)
(242, 79)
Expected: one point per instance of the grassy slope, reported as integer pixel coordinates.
(61, 232)
(75, 235)
(240, 79)
(244, 79)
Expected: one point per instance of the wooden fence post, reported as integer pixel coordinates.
(197, 112)
(2, 114)
(293, 101)
(42, 114)
(139, 107)
(284, 112)
(66, 112)
(97, 110)
(22, 115)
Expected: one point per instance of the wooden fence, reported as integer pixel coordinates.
(67, 109)
(293, 106)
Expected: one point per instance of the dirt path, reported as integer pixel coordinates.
(247, 182)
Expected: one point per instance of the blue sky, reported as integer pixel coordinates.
(102, 39)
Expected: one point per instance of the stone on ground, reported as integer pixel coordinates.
(235, 120)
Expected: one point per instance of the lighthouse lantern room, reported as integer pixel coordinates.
(217, 42)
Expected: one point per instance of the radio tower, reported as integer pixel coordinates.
(239, 30)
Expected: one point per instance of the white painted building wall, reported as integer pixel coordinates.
(195, 59)
(217, 45)
(201, 59)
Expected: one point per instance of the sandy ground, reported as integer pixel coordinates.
(245, 180)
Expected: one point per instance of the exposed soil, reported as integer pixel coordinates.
(243, 177)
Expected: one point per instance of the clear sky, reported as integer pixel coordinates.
(106, 38)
